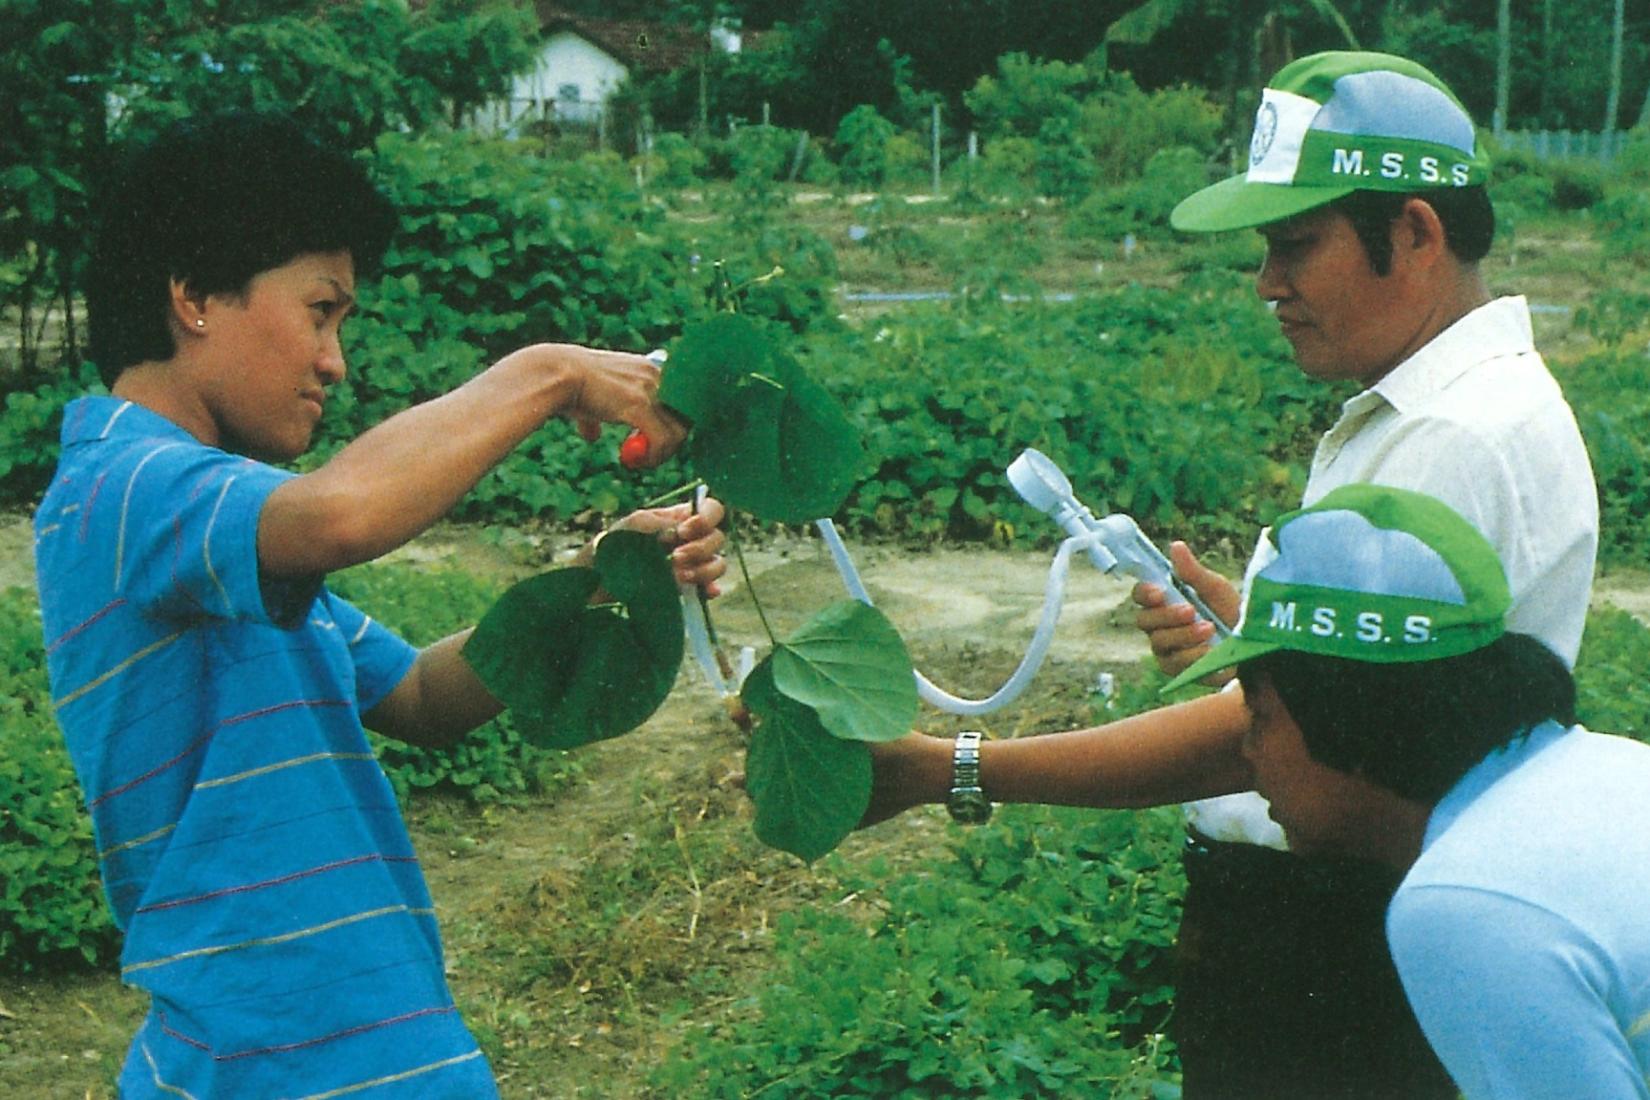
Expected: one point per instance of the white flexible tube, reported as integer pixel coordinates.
(1054, 594)
(698, 637)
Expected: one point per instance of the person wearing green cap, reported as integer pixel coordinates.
(1367, 182)
(1397, 720)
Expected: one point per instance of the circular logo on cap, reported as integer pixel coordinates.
(1266, 128)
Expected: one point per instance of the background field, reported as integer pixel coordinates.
(613, 928)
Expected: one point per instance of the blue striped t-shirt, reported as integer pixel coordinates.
(251, 848)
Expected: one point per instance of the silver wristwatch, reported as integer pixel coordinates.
(967, 803)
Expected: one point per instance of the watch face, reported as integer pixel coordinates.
(969, 806)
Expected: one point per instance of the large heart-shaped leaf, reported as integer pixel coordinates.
(573, 672)
(766, 437)
(849, 665)
(810, 788)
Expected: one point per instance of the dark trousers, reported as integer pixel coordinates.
(1286, 990)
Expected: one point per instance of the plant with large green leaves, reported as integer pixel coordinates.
(574, 668)
(766, 439)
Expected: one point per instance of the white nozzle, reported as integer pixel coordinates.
(1045, 487)
(1039, 481)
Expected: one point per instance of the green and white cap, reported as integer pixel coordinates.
(1339, 122)
(1369, 573)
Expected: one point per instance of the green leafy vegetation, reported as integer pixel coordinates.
(1106, 386)
(424, 604)
(841, 681)
(51, 900)
(1034, 962)
(809, 786)
(766, 437)
(1606, 387)
(1611, 693)
(572, 671)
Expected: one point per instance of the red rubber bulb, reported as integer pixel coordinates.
(633, 451)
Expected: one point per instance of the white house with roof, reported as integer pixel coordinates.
(582, 61)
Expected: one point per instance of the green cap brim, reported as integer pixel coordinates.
(1236, 203)
(1233, 651)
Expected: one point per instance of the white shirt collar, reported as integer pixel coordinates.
(1493, 330)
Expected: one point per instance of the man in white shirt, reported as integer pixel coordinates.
(1367, 182)
(1457, 404)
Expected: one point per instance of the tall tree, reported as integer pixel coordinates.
(74, 71)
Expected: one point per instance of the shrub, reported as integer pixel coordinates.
(1577, 184)
(1125, 127)
(763, 152)
(675, 162)
(1606, 389)
(1528, 191)
(1064, 167)
(1105, 215)
(51, 902)
(890, 234)
(908, 158)
(1006, 165)
(862, 147)
(29, 431)
(1537, 184)
(515, 248)
(1024, 95)
(1633, 165)
(1624, 226)
(1611, 696)
(1105, 386)
(1170, 175)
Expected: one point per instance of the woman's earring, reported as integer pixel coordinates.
(200, 322)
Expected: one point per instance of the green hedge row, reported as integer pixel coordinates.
(1178, 407)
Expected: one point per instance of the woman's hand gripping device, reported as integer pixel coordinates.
(1114, 543)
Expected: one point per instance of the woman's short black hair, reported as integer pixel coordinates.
(213, 201)
(1416, 728)
(1466, 214)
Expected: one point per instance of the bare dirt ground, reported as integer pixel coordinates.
(578, 986)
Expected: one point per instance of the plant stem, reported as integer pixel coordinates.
(680, 490)
(739, 555)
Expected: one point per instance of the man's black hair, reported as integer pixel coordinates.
(212, 202)
(1416, 728)
(1466, 214)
